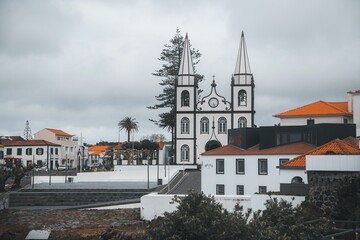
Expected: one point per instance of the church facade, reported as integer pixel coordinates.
(202, 124)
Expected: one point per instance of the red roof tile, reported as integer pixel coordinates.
(59, 132)
(30, 143)
(318, 108)
(336, 146)
(294, 148)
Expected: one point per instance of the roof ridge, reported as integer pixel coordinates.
(297, 108)
(330, 105)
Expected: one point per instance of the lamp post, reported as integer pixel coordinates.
(33, 173)
(148, 177)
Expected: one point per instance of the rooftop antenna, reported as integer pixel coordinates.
(27, 131)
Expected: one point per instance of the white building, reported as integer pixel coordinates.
(325, 112)
(230, 170)
(202, 124)
(69, 153)
(40, 152)
(336, 156)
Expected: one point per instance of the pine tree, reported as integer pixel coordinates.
(171, 56)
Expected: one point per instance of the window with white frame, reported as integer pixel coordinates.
(19, 151)
(263, 166)
(28, 151)
(222, 125)
(39, 151)
(220, 189)
(283, 160)
(220, 168)
(240, 166)
(185, 153)
(9, 151)
(185, 125)
(239, 189)
(204, 125)
(262, 189)
(242, 122)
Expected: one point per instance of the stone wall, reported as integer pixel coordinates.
(323, 188)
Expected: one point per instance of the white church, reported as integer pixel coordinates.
(203, 124)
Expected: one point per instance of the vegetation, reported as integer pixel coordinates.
(201, 217)
(129, 124)
(171, 58)
(16, 171)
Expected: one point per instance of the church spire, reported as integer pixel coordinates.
(242, 74)
(186, 70)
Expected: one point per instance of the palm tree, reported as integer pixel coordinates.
(129, 124)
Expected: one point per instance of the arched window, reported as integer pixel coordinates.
(185, 153)
(185, 125)
(297, 179)
(204, 125)
(242, 122)
(242, 98)
(185, 98)
(222, 125)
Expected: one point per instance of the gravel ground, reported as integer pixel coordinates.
(15, 224)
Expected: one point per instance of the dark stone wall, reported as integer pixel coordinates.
(324, 187)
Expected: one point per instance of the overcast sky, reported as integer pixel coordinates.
(82, 66)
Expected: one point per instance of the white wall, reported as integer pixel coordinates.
(350, 163)
(122, 174)
(303, 120)
(286, 175)
(251, 179)
(165, 203)
(356, 111)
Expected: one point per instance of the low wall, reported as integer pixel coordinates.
(165, 203)
(131, 173)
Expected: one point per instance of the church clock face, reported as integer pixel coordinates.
(213, 102)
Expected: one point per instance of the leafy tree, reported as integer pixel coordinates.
(280, 220)
(171, 58)
(129, 124)
(5, 174)
(155, 137)
(199, 217)
(16, 171)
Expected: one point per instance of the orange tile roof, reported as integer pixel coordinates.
(336, 146)
(59, 132)
(318, 108)
(294, 148)
(98, 148)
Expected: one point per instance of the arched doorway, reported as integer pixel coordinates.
(212, 144)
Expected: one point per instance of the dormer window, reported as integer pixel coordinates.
(185, 98)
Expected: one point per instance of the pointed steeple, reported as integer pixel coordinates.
(242, 74)
(186, 70)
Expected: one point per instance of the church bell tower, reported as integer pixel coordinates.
(242, 90)
(186, 97)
